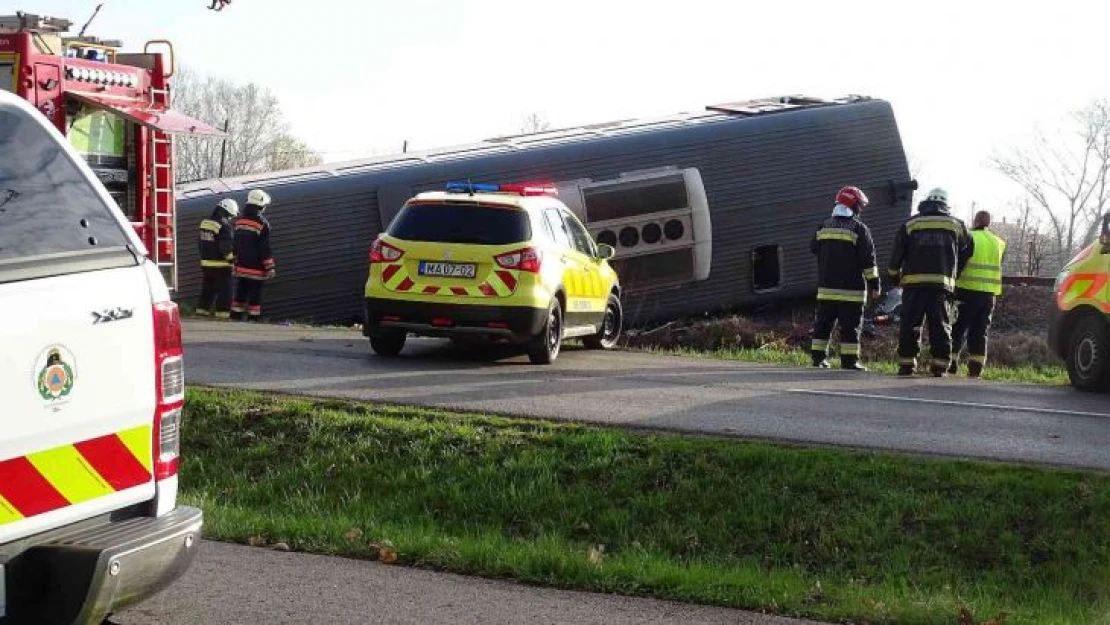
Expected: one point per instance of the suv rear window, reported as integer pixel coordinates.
(47, 206)
(454, 223)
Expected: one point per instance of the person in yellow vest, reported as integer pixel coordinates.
(976, 289)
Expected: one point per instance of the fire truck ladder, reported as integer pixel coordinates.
(163, 203)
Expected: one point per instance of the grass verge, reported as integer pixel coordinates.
(826, 534)
(1024, 374)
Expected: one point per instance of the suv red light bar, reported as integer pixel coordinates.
(517, 189)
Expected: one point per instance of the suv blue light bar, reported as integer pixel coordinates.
(518, 189)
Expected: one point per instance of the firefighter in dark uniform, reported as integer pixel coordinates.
(976, 289)
(846, 272)
(930, 250)
(254, 263)
(216, 239)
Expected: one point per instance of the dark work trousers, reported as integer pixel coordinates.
(850, 317)
(248, 299)
(973, 321)
(215, 291)
(925, 305)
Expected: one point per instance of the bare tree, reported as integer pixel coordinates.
(259, 135)
(1066, 179)
(534, 123)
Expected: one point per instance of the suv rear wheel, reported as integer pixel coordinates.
(388, 341)
(610, 328)
(545, 347)
(1088, 356)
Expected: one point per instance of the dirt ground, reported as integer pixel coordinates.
(1018, 330)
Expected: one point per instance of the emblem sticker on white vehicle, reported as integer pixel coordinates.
(55, 375)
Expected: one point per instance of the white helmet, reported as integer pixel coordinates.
(937, 195)
(258, 198)
(229, 206)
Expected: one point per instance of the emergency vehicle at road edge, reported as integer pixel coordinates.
(1079, 320)
(93, 384)
(114, 107)
(490, 261)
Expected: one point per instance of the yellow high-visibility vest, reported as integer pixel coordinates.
(984, 270)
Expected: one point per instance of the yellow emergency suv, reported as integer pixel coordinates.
(1079, 325)
(490, 261)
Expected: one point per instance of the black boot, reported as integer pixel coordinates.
(819, 360)
(974, 369)
(905, 370)
(954, 367)
(851, 363)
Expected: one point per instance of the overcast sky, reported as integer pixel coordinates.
(359, 77)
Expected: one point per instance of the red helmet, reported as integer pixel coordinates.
(852, 197)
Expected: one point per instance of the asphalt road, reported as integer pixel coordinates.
(953, 417)
(232, 584)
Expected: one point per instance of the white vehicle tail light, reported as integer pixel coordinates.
(527, 259)
(169, 373)
(382, 252)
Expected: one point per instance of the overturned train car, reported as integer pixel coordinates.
(708, 211)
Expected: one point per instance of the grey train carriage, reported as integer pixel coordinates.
(709, 211)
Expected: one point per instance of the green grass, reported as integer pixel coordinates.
(821, 533)
(1027, 374)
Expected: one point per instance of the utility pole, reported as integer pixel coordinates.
(223, 147)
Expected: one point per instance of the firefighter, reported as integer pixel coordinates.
(930, 250)
(216, 239)
(976, 289)
(846, 273)
(254, 263)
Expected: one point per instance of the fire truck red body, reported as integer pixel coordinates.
(115, 109)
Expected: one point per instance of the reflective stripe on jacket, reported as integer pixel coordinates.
(845, 260)
(215, 239)
(984, 271)
(930, 250)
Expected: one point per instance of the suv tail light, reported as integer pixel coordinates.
(527, 259)
(169, 376)
(382, 252)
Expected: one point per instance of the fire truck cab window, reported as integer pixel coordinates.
(7, 77)
(766, 268)
(100, 137)
(47, 206)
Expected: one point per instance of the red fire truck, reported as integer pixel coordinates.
(114, 108)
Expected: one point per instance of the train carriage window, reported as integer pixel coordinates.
(766, 268)
(636, 197)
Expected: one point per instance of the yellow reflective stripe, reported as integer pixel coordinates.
(8, 513)
(932, 223)
(841, 295)
(907, 362)
(982, 267)
(837, 234)
(977, 358)
(927, 278)
(849, 349)
(138, 440)
(941, 362)
(870, 273)
(893, 272)
(214, 263)
(210, 225)
(818, 345)
(68, 471)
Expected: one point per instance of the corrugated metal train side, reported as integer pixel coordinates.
(769, 180)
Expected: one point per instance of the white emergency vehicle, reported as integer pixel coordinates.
(91, 392)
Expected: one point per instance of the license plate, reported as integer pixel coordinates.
(447, 270)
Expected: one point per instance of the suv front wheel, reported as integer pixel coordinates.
(545, 347)
(610, 328)
(1088, 356)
